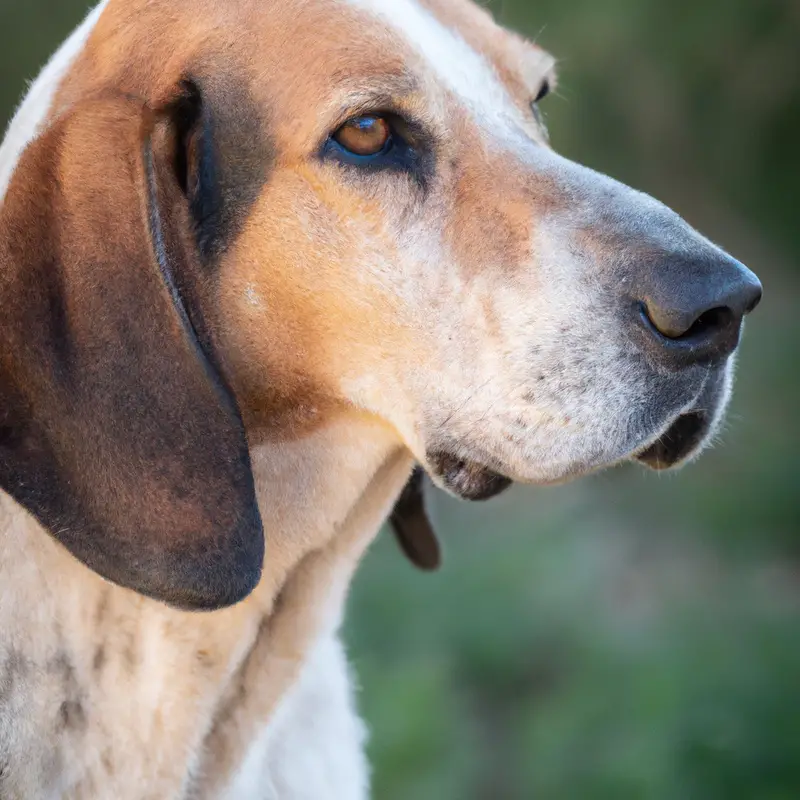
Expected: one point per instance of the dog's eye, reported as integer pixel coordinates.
(381, 142)
(365, 136)
(543, 92)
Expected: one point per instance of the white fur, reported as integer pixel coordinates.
(313, 749)
(457, 66)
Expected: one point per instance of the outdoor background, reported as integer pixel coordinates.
(628, 636)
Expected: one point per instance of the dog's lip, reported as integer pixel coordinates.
(473, 479)
(678, 443)
(476, 474)
(465, 478)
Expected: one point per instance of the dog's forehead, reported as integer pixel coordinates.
(307, 60)
(461, 68)
(486, 67)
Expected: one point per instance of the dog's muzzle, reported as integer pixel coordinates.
(645, 315)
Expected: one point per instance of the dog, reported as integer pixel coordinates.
(257, 261)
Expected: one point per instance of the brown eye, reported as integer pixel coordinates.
(364, 136)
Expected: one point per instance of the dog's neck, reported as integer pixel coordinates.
(336, 484)
(322, 498)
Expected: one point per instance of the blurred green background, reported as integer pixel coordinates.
(631, 635)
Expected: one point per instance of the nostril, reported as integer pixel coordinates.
(686, 339)
(756, 299)
(680, 327)
(670, 323)
(709, 322)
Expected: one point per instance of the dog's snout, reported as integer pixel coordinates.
(684, 298)
(693, 308)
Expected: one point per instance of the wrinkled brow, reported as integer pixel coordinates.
(390, 92)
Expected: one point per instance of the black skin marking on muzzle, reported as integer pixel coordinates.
(466, 479)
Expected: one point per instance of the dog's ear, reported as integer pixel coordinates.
(118, 430)
(412, 526)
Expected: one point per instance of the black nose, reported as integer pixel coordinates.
(693, 307)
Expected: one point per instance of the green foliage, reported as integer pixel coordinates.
(568, 652)
(631, 636)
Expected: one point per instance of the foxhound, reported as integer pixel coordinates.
(257, 260)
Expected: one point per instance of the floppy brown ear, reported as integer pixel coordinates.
(117, 429)
(412, 526)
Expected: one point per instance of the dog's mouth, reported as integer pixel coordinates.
(471, 480)
(687, 435)
(681, 441)
(466, 479)
(475, 474)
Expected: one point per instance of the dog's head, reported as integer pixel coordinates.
(351, 207)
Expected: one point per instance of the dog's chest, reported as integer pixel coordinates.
(145, 718)
(106, 694)
(124, 715)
